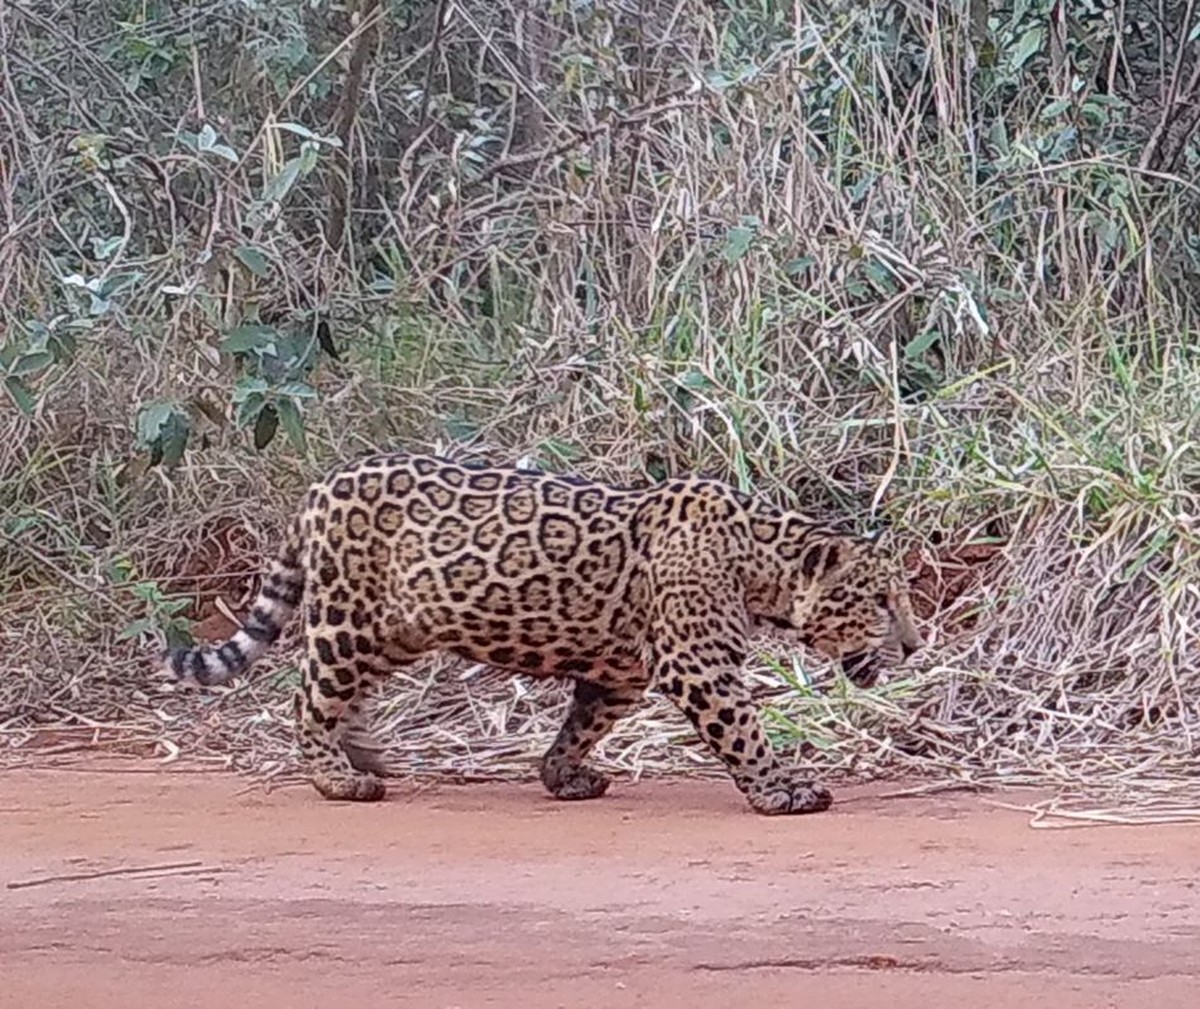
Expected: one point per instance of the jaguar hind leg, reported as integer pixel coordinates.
(340, 672)
(593, 712)
(364, 757)
(360, 746)
(326, 705)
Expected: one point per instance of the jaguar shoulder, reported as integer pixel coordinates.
(395, 557)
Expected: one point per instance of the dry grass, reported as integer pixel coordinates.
(618, 263)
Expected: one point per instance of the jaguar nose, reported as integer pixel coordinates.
(908, 648)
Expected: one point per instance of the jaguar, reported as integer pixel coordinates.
(395, 557)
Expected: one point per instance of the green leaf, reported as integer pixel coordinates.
(280, 185)
(1055, 109)
(657, 468)
(150, 420)
(861, 187)
(18, 525)
(253, 259)
(460, 428)
(308, 157)
(880, 275)
(20, 394)
(298, 390)
(1027, 45)
(102, 248)
(178, 636)
(307, 134)
(998, 135)
(300, 131)
(737, 243)
(173, 437)
(206, 141)
(136, 629)
(249, 409)
(61, 344)
(920, 343)
(34, 361)
(293, 423)
(251, 337)
(640, 403)
(148, 592)
(163, 429)
(247, 386)
(1064, 143)
(560, 451)
(265, 426)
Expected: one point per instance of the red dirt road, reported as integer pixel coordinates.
(666, 894)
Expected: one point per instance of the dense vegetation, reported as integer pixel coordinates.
(933, 265)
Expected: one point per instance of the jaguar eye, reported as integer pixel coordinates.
(881, 600)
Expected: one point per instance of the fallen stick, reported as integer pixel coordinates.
(75, 877)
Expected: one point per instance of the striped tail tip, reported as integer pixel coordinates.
(206, 666)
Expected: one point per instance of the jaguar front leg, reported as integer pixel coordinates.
(717, 702)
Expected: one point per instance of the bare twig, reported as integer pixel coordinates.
(159, 868)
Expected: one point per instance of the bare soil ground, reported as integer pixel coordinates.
(663, 894)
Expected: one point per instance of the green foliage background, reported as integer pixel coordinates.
(932, 265)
